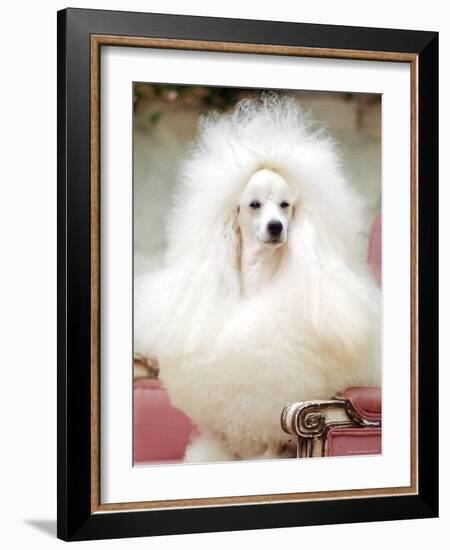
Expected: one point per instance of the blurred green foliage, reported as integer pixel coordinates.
(205, 97)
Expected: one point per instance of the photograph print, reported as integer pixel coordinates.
(257, 274)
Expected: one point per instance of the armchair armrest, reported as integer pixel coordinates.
(353, 419)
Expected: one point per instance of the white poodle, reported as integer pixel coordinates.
(264, 298)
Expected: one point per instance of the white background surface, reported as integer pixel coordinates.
(120, 482)
(28, 290)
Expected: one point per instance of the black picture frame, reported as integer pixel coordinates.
(76, 518)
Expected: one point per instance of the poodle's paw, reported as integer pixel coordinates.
(204, 448)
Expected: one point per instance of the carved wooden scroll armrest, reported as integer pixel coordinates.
(311, 421)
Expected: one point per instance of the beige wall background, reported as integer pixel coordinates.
(165, 122)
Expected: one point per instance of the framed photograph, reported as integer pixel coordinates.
(247, 274)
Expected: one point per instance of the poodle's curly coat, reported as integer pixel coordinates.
(231, 363)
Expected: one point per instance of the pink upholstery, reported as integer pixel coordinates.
(366, 401)
(161, 432)
(354, 441)
(358, 441)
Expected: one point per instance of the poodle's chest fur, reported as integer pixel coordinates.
(259, 267)
(236, 385)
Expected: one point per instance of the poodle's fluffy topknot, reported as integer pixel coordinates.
(271, 131)
(269, 109)
(232, 364)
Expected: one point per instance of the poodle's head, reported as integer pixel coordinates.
(263, 172)
(266, 209)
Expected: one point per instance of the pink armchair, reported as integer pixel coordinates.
(161, 432)
(347, 424)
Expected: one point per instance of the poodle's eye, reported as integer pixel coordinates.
(284, 204)
(255, 205)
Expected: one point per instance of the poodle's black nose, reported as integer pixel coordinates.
(275, 228)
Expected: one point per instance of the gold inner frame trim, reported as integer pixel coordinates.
(264, 49)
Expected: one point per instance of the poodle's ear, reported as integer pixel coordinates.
(232, 239)
(220, 259)
(295, 217)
